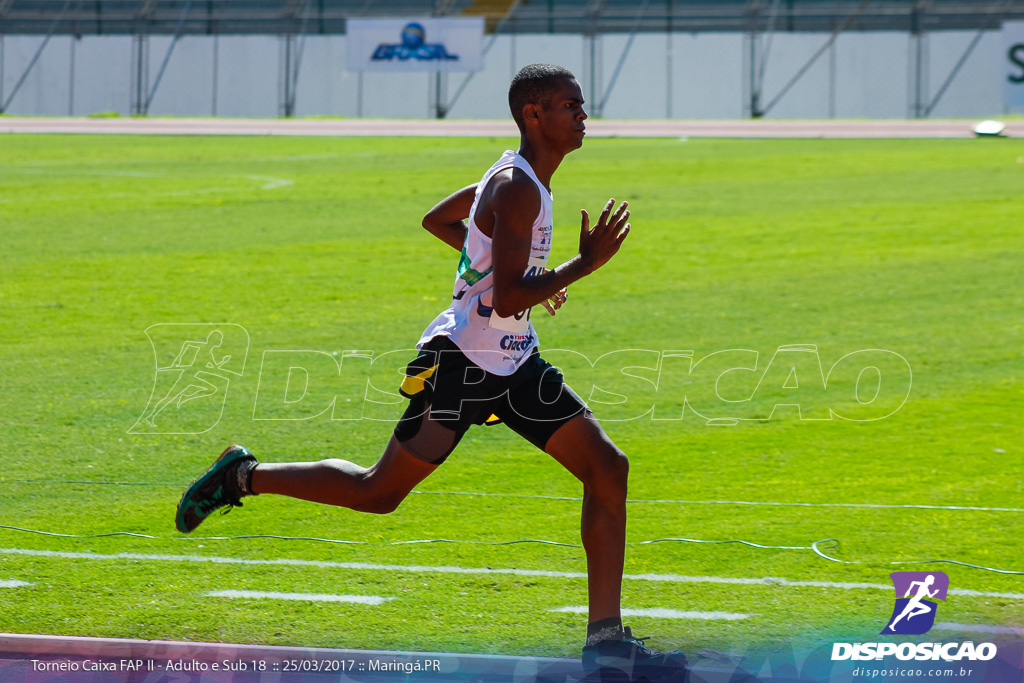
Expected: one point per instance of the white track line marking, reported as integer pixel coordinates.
(33, 169)
(322, 564)
(868, 506)
(14, 583)
(662, 613)
(270, 182)
(878, 128)
(978, 628)
(267, 183)
(312, 597)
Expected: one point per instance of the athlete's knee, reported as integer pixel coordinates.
(609, 473)
(375, 495)
(383, 504)
(379, 502)
(618, 470)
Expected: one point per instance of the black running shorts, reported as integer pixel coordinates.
(446, 388)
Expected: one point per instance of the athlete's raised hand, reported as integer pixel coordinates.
(598, 245)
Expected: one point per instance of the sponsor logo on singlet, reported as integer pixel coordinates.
(516, 342)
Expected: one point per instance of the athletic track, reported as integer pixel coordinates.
(927, 128)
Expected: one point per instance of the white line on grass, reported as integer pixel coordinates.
(662, 613)
(978, 628)
(869, 506)
(323, 564)
(14, 583)
(270, 182)
(312, 597)
(50, 171)
(266, 183)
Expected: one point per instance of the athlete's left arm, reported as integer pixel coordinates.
(447, 220)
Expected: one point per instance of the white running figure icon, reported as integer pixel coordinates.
(915, 607)
(199, 386)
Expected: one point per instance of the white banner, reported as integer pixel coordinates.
(1013, 63)
(415, 44)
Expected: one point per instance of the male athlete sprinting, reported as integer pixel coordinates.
(479, 361)
(915, 606)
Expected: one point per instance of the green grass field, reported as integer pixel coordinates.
(914, 247)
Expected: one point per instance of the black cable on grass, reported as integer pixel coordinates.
(525, 540)
(270, 536)
(425, 540)
(185, 538)
(51, 533)
(815, 546)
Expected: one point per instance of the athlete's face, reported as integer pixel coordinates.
(563, 115)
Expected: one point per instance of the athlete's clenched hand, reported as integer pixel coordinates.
(597, 246)
(555, 301)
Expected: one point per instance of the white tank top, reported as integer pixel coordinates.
(498, 345)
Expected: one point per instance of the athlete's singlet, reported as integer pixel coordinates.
(498, 345)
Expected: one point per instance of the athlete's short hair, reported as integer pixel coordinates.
(532, 85)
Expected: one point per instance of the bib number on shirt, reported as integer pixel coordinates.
(520, 322)
(516, 324)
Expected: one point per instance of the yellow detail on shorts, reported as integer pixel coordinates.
(413, 384)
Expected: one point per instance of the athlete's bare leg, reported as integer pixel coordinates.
(582, 447)
(379, 488)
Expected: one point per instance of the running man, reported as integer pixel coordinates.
(479, 362)
(915, 607)
(199, 386)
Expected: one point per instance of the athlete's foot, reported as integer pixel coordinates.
(224, 484)
(632, 660)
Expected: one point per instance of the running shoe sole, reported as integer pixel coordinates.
(230, 456)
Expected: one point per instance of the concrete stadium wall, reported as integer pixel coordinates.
(679, 75)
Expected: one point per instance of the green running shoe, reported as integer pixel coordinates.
(219, 486)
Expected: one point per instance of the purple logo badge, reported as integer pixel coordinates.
(915, 608)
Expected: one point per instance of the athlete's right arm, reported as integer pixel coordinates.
(446, 221)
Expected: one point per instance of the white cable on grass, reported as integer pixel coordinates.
(814, 547)
(752, 545)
